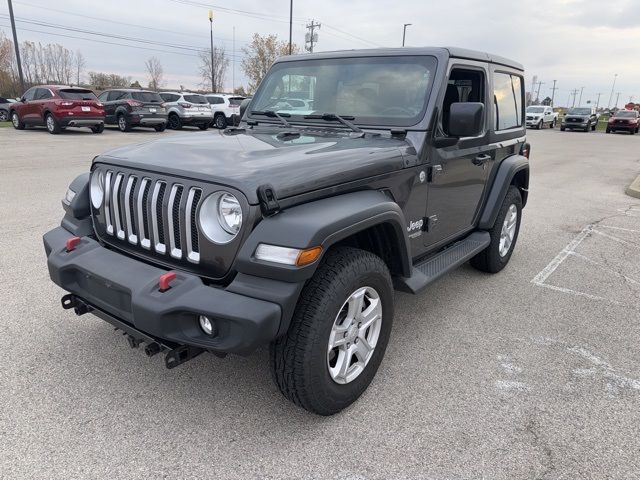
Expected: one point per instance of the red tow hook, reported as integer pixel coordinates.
(165, 280)
(72, 243)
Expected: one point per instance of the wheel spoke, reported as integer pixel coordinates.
(370, 315)
(355, 305)
(362, 350)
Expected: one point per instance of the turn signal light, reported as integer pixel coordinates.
(310, 255)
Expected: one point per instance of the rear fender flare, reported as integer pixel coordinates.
(507, 170)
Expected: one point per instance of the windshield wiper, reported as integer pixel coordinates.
(332, 117)
(273, 114)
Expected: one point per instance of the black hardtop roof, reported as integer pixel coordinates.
(453, 52)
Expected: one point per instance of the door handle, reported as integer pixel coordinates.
(481, 159)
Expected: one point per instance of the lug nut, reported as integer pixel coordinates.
(345, 335)
(355, 340)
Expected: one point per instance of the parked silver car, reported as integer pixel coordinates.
(4, 108)
(186, 108)
(225, 108)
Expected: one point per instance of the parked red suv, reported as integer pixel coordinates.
(627, 120)
(58, 107)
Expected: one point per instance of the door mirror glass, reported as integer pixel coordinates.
(243, 106)
(466, 119)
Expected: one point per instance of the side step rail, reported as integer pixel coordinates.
(431, 269)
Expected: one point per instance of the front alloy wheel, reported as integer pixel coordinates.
(354, 335)
(338, 334)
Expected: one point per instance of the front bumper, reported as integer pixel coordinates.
(125, 290)
(534, 122)
(573, 125)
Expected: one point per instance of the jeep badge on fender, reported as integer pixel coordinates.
(294, 228)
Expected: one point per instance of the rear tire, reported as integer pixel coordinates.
(220, 121)
(123, 123)
(562, 129)
(160, 128)
(203, 126)
(588, 127)
(53, 127)
(98, 128)
(593, 127)
(4, 115)
(344, 315)
(540, 125)
(174, 122)
(552, 124)
(608, 130)
(17, 122)
(496, 256)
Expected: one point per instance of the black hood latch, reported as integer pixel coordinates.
(268, 200)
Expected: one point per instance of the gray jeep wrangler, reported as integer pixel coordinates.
(294, 228)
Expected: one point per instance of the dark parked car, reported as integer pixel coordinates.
(582, 118)
(130, 108)
(295, 228)
(624, 121)
(58, 107)
(5, 103)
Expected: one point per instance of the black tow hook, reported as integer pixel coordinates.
(180, 355)
(80, 307)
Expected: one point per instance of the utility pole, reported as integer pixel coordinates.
(290, 24)
(568, 98)
(553, 93)
(598, 102)
(617, 100)
(213, 68)
(311, 37)
(404, 32)
(233, 67)
(16, 46)
(538, 92)
(612, 88)
(580, 101)
(574, 93)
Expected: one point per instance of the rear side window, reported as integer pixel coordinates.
(214, 100)
(43, 94)
(235, 101)
(195, 99)
(169, 97)
(77, 94)
(507, 98)
(147, 97)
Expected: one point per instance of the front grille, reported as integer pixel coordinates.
(157, 215)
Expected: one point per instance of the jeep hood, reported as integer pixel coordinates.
(292, 164)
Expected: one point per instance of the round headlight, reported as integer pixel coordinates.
(229, 213)
(96, 189)
(220, 217)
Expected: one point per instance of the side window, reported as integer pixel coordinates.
(103, 96)
(43, 94)
(507, 100)
(463, 86)
(30, 94)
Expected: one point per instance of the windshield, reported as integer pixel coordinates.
(77, 94)
(626, 114)
(235, 101)
(579, 111)
(535, 109)
(147, 97)
(371, 90)
(195, 98)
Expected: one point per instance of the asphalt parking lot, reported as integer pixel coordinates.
(530, 373)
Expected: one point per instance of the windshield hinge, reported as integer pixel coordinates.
(268, 200)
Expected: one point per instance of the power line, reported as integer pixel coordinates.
(246, 13)
(351, 35)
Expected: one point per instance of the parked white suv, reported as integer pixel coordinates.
(539, 115)
(186, 108)
(224, 108)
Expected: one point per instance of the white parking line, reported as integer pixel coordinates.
(540, 278)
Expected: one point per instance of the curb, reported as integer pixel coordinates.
(633, 190)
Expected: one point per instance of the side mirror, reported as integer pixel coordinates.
(466, 119)
(18, 99)
(243, 106)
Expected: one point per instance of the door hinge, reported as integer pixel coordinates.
(434, 171)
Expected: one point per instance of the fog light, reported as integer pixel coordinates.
(207, 325)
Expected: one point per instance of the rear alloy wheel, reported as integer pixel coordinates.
(338, 334)
(220, 122)
(98, 128)
(174, 122)
(123, 123)
(18, 124)
(52, 124)
(504, 235)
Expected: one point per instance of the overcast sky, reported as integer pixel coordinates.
(579, 43)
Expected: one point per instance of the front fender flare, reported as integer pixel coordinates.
(322, 223)
(504, 176)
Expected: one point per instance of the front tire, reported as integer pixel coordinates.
(17, 122)
(540, 125)
(552, 124)
(203, 126)
(160, 128)
(504, 235)
(562, 129)
(338, 334)
(53, 127)
(98, 128)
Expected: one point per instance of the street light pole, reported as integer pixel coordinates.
(580, 101)
(290, 23)
(16, 46)
(404, 32)
(213, 70)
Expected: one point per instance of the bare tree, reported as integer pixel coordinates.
(155, 72)
(80, 65)
(260, 54)
(220, 62)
